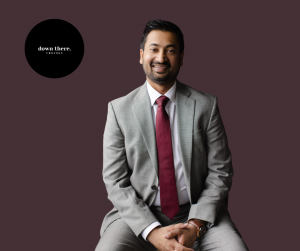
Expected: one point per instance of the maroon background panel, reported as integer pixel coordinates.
(247, 54)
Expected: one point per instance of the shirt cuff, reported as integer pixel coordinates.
(148, 229)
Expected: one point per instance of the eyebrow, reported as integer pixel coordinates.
(169, 45)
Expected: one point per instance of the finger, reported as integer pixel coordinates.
(180, 225)
(179, 247)
(180, 239)
(173, 233)
(186, 249)
(182, 248)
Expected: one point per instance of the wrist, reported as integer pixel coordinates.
(192, 227)
(148, 229)
(199, 226)
(199, 221)
(152, 232)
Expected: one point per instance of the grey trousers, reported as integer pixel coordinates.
(223, 236)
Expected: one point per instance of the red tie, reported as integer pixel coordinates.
(168, 193)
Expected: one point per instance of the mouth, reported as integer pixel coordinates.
(160, 68)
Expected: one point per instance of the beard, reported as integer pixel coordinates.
(160, 78)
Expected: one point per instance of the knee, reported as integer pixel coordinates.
(104, 245)
(229, 238)
(235, 245)
(232, 241)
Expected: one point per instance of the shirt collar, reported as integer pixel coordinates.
(154, 94)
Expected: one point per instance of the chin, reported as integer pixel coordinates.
(161, 81)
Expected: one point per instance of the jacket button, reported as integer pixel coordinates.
(153, 187)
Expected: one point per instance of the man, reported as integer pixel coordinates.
(166, 160)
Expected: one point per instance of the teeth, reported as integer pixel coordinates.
(159, 66)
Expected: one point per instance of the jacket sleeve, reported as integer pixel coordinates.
(116, 176)
(219, 179)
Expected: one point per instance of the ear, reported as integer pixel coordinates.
(181, 58)
(141, 56)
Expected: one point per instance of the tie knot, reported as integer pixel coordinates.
(162, 101)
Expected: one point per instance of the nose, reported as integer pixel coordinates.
(161, 56)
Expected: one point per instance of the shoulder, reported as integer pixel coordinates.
(125, 101)
(201, 98)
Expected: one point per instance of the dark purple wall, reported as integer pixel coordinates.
(247, 54)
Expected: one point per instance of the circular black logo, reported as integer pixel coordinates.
(54, 48)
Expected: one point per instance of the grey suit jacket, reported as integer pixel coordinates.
(130, 165)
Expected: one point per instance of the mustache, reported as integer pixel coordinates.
(162, 64)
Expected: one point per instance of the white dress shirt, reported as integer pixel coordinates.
(179, 175)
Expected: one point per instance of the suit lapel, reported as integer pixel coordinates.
(143, 114)
(185, 120)
(185, 108)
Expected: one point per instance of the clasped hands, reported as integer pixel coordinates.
(179, 237)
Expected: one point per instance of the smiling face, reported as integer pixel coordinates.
(161, 57)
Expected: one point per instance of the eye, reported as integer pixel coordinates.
(152, 49)
(171, 50)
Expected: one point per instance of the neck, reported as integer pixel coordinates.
(162, 89)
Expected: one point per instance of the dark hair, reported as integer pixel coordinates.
(162, 25)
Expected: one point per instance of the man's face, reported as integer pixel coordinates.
(161, 58)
